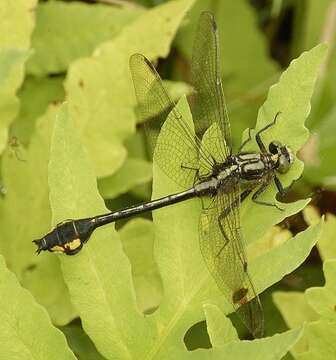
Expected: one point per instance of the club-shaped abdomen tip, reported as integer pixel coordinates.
(41, 245)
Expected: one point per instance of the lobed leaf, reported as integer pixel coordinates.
(65, 32)
(105, 117)
(25, 328)
(121, 182)
(137, 238)
(15, 30)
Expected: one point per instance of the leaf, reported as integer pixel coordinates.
(317, 341)
(25, 182)
(14, 43)
(55, 299)
(319, 337)
(294, 308)
(318, 153)
(11, 75)
(65, 32)
(123, 181)
(317, 23)
(16, 30)
(99, 277)
(322, 299)
(326, 244)
(309, 22)
(105, 117)
(137, 238)
(22, 338)
(274, 347)
(291, 96)
(280, 261)
(35, 96)
(220, 328)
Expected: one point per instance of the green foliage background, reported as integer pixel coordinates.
(71, 147)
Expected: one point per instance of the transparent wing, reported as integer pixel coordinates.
(154, 105)
(208, 102)
(223, 250)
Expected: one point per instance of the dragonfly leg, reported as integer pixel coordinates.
(261, 190)
(225, 213)
(258, 138)
(220, 218)
(279, 185)
(246, 141)
(196, 170)
(189, 168)
(209, 205)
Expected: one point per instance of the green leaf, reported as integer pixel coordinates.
(25, 182)
(65, 32)
(11, 76)
(17, 24)
(291, 96)
(105, 116)
(15, 29)
(319, 331)
(25, 328)
(319, 152)
(35, 96)
(282, 260)
(220, 328)
(274, 347)
(315, 24)
(319, 341)
(309, 23)
(137, 238)
(322, 299)
(294, 308)
(55, 299)
(123, 181)
(99, 277)
(326, 245)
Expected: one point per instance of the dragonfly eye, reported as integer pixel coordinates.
(274, 147)
(286, 159)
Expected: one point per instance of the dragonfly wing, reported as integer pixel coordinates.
(154, 105)
(208, 102)
(223, 250)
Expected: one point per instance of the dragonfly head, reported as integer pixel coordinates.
(283, 156)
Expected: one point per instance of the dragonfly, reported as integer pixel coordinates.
(206, 169)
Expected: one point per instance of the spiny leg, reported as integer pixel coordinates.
(196, 170)
(246, 141)
(225, 213)
(258, 138)
(220, 218)
(261, 190)
(279, 185)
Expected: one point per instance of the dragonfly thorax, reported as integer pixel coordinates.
(253, 166)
